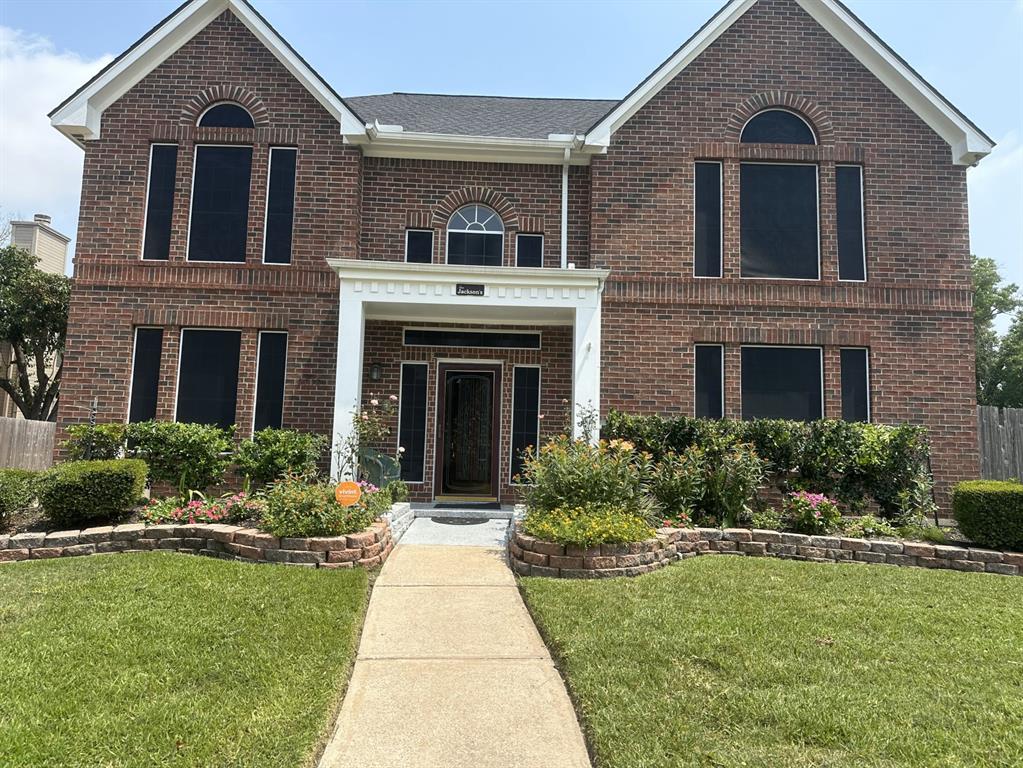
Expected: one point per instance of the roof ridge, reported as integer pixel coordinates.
(482, 96)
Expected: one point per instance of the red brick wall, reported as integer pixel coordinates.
(914, 311)
(384, 347)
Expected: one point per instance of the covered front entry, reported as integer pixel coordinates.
(474, 358)
(467, 434)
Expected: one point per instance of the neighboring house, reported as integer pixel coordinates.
(772, 224)
(48, 245)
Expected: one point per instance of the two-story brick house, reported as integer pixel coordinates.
(773, 223)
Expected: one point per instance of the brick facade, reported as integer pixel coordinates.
(630, 211)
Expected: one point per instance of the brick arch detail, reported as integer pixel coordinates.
(812, 112)
(217, 93)
(483, 195)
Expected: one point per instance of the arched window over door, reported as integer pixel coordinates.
(777, 126)
(226, 115)
(476, 236)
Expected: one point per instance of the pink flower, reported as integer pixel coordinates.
(374, 401)
(393, 398)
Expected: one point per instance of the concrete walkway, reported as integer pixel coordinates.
(451, 670)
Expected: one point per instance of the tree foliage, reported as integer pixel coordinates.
(33, 321)
(999, 359)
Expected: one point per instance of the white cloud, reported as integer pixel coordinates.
(996, 209)
(40, 170)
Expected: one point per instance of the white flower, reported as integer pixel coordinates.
(540, 416)
(393, 398)
(401, 449)
(374, 401)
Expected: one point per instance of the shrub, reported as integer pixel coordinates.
(295, 507)
(768, 519)
(868, 527)
(678, 483)
(398, 490)
(187, 456)
(812, 513)
(273, 453)
(99, 441)
(77, 492)
(573, 474)
(229, 508)
(587, 525)
(733, 476)
(990, 512)
(17, 491)
(923, 532)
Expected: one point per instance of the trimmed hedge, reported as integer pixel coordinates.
(77, 492)
(17, 490)
(852, 462)
(990, 512)
(272, 454)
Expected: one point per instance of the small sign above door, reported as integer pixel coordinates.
(468, 289)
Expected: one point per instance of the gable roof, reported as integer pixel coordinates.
(969, 144)
(79, 116)
(498, 116)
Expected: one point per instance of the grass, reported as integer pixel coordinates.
(722, 661)
(159, 659)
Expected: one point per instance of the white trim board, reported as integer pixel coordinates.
(967, 142)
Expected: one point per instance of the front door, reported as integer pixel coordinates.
(467, 432)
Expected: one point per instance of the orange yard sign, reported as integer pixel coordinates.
(347, 493)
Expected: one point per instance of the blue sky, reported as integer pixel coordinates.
(970, 50)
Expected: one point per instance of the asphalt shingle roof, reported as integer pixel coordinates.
(499, 116)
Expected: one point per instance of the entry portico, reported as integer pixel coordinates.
(456, 300)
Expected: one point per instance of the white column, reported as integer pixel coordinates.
(348, 380)
(586, 364)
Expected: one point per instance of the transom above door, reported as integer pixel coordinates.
(467, 432)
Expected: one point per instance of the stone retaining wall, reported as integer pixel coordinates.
(367, 549)
(532, 557)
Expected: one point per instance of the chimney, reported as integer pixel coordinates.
(42, 218)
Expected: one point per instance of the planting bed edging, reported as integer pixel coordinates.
(533, 557)
(366, 549)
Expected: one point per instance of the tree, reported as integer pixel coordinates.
(1009, 368)
(991, 298)
(33, 321)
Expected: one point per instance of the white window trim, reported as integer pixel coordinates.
(722, 348)
(820, 353)
(191, 204)
(418, 229)
(426, 424)
(863, 222)
(181, 348)
(539, 400)
(817, 188)
(266, 205)
(448, 230)
(208, 107)
(721, 219)
(145, 207)
(816, 138)
(528, 234)
(866, 354)
(468, 330)
(284, 384)
(134, 354)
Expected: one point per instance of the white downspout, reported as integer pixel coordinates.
(564, 209)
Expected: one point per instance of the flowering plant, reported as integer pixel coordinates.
(812, 513)
(199, 509)
(680, 520)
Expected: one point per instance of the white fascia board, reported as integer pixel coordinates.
(392, 141)
(80, 117)
(967, 143)
(531, 277)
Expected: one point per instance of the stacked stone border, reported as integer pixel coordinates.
(534, 557)
(366, 549)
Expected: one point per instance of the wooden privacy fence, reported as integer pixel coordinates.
(1001, 442)
(26, 444)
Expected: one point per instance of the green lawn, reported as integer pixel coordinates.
(162, 659)
(722, 661)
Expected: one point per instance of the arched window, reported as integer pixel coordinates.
(777, 126)
(226, 115)
(475, 236)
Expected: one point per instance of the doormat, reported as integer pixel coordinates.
(460, 520)
(468, 505)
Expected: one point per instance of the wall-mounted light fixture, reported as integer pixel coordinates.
(375, 372)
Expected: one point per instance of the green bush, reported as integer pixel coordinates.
(295, 507)
(587, 525)
(573, 474)
(273, 453)
(733, 477)
(186, 456)
(398, 490)
(868, 527)
(99, 441)
(990, 512)
(678, 483)
(77, 492)
(17, 491)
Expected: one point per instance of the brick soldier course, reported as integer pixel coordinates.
(630, 210)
